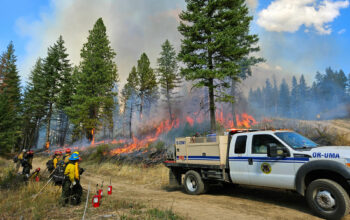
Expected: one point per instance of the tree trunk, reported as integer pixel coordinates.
(141, 105)
(65, 130)
(212, 105)
(169, 104)
(130, 122)
(233, 110)
(47, 142)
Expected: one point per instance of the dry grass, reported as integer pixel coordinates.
(4, 166)
(155, 176)
(18, 202)
(332, 132)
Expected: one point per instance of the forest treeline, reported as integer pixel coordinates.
(69, 103)
(327, 97)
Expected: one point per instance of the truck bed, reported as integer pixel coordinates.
(211, 151)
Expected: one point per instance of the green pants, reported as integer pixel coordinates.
(66, 192)
(77, 192)
(72, 195)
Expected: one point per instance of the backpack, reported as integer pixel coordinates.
(49, 165)
(15, 159)
(58, 175)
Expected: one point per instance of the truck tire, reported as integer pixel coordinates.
(194, 184)
(327, 199)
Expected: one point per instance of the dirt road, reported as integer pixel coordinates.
(219, 203)
(237, 203)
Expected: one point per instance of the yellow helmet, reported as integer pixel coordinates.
(76, 152)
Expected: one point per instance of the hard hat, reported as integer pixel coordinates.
(37, 169)
(56, 152)
(74, 157)
(30, 152)
(76, 152)
(68, 150)
(59, 152)
(24, 150)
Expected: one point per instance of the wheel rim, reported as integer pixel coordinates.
(191, 183)
(325, 200)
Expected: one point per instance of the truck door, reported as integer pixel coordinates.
(238, 166)
(267, 171)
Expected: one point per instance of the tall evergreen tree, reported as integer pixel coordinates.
(216, 40)
(284, 99)
(95, 80)
(129, 97)
(169, 77)
(295, 98)
(34, 105)
(56, 69)
(11, 101)
(275, 95)
(148, 89)
(303, 96)
(267, 94)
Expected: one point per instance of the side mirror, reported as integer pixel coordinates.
(274, 151)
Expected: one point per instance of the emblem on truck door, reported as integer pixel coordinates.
(265, 168)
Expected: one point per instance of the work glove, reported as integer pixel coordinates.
(73, 184)
(81, 171)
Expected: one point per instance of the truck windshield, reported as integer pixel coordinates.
(296, 140)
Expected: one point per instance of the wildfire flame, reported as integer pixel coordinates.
(157, 129)
(93, 136)
(243, 120)
(137, 144)
(47, 145)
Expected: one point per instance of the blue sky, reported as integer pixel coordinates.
(10, 13)
(300, 44)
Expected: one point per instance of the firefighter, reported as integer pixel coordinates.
(67, 155)
(58, 157)
(71, 188)
(27, 163)
(49, 163)
(35, 174)
(18, 159)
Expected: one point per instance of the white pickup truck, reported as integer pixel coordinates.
(272, 158)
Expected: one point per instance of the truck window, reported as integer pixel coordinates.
(240, 144)
(261, 141)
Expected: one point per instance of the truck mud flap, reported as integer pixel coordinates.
(174, 178)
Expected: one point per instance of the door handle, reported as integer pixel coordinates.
(250, 161)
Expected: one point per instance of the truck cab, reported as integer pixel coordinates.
(281, 159)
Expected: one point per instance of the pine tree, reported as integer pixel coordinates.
(94, 98)
(148, 89)
(169, 77)
(275, 95)
(10, 121)
(295, 98)
(267, 100)
(129, 97)
(284, 99)
(56, 69)
(216, 41)
(65, 94)
(34, 105)
(303, 96)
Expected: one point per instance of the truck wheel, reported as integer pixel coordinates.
(328, 199)
(194, 184)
